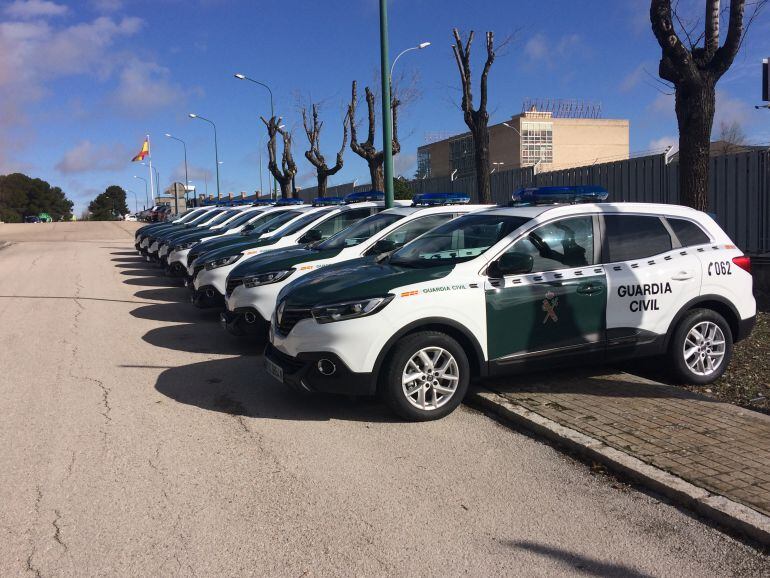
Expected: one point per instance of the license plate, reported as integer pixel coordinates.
(274, 370)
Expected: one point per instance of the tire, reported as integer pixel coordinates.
(445, 352)
(701, 347)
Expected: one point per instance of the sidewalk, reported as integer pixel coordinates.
(715, 446)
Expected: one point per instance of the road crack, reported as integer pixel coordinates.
(57, 533)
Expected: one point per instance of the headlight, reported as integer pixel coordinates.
(183, 246)
(350, 309)
(223, 262)
(266, 278)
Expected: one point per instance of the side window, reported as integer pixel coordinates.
(559, 245)
(341, 221)
(631, 237)
(687, 232)
(415, 228)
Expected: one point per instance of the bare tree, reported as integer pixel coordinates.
(313, 132)
(284, 175)
(694, 71)
(367, 149)
(478, 119)
(732, 135)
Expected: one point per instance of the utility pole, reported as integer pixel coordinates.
(387, 119)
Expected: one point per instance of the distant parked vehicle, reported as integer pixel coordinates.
(31, 219)
(129, 218)
(45, 218)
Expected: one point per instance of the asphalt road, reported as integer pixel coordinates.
(140, 439)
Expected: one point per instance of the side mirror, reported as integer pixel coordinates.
(312, 236)
(511, 264)
(383, 246)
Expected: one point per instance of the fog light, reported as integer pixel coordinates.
(326, 367)
(249, 317)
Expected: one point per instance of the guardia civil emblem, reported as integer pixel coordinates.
(550, 303)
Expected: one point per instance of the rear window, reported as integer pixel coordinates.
(688, 233)
(631, 237)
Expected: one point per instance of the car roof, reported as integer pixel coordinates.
(550, 211)
(429, 209)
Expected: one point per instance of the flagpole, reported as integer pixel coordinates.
(149, 164)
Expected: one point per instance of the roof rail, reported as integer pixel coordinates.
(364, 196)
(437, 199)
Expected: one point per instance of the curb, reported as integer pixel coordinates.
(715, 507)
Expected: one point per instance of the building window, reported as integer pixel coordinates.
(461, 156)
(536, 142)
(423, 164)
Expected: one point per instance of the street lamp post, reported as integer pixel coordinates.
(136, 203)
(157, 180)
(186, 181)
(216, 148)
(240, 76)
(146, 196)
(387, 119)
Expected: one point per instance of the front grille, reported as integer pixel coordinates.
(232, 284)
(191, 257)
(291, 317)
(287, 362)
(197, 270)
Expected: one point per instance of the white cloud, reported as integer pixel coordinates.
(634, 78)
(663, 104)
(107, 5)
(144, 86)
(662, 143)
(544, 50)
(731, 109)
(29, 9)
(405, 164)
(86, 157)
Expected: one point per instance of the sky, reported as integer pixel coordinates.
(82, 83)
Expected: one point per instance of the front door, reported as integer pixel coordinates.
(558, 307)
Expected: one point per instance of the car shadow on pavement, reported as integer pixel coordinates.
(577, 563)
(136, 263)
(131, 253)
(171, 294)
(179, 311)
(201, 338)
(134, 259)
(143, 273)
(153, 281)
(239, 386)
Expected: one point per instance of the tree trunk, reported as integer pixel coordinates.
(377, 173)
(285, 185)
(695, 104)
(481, 161)
(322, 178)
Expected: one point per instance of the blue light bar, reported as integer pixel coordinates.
(262, 202)
(436, 199)
(559, 195)
(327, 201)
(364, 196)
(288, 202)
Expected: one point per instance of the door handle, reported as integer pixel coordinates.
(589, 288)
(682, 276)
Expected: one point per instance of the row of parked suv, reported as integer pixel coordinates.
(413, 302)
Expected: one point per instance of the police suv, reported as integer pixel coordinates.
(516, 288)
(178, 246)
(315, 224)
(146, 230)
(253, 286)
(150, 241)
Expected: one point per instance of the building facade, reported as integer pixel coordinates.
(533, 138)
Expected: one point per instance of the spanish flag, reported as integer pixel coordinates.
(144, 152)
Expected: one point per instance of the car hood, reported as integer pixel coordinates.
(356, 279)
(187, 236)
(234, 249)
(282, 259)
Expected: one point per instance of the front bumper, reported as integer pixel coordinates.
(243, 322)
(302, 373)
(207, 297)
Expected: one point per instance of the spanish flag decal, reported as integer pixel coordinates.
(142, 153)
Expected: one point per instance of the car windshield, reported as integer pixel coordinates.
(242, 218)
(360, 232)
(270, 222)
(204, 217)
(305, 220)
(459, 240)
(229, 214)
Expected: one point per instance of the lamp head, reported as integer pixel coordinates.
(168, 135)
(192, 115)
(423, 45)
(239, 76)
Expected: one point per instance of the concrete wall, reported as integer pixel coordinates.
(579, 141)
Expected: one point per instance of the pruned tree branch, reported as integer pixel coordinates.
(288, 169)
(314, 155)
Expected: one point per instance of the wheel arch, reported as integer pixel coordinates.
(458, 332)
(716, 303)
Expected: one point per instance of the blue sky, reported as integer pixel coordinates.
(82, 82)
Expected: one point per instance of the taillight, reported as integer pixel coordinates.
(743, 262)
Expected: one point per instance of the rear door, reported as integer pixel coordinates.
(650, 277)
(558, 308)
